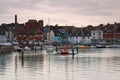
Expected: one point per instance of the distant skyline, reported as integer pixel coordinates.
(61, 12)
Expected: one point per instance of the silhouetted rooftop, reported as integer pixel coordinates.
(32, 20)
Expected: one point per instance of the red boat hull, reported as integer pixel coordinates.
(64, 52)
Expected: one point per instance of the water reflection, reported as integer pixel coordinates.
(32, 61)
(91, 64)
(5, 60)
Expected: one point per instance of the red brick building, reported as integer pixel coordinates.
(112, 33)
(34, 25)
(111, 36)
(31, 31)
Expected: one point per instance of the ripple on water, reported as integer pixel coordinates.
(91, 64)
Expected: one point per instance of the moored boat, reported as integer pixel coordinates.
(17, 48)
(26, 48)
(85, 47)
(64, 52)
(100, 46)
(110, 46)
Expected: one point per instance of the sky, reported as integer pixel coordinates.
(62, 12)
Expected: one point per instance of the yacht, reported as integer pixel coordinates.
(100, 46)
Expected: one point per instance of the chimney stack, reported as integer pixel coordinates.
(15, 19)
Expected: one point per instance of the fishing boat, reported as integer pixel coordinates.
(64, 52)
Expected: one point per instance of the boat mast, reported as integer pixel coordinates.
(49, 30)
(114, 33)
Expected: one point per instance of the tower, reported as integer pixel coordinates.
(14, 32)
(15, 19)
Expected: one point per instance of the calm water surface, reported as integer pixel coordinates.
(89, 64)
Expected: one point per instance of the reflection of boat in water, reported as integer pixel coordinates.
(85, 47)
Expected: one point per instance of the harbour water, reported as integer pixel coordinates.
(89, 64)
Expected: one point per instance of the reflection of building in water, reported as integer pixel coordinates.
(32, 60)
(2, 63)
(5, 60)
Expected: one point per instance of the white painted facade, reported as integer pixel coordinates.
(79, 40)
(9, 35)
(87, 39)
(3, 38)
(96, 34)
(50, 36)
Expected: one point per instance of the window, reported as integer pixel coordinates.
(99, 33)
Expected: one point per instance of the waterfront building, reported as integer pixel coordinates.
(58, 39)
(74, 39)
(60, 33)
(96, 36)
(111, 33)
(79, 40)
(5, 46)
(50, 36)
(30, 32)
(7, 31)
(87, 39)
(3, 37)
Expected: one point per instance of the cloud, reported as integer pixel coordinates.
(87, 7)
(63, 11)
